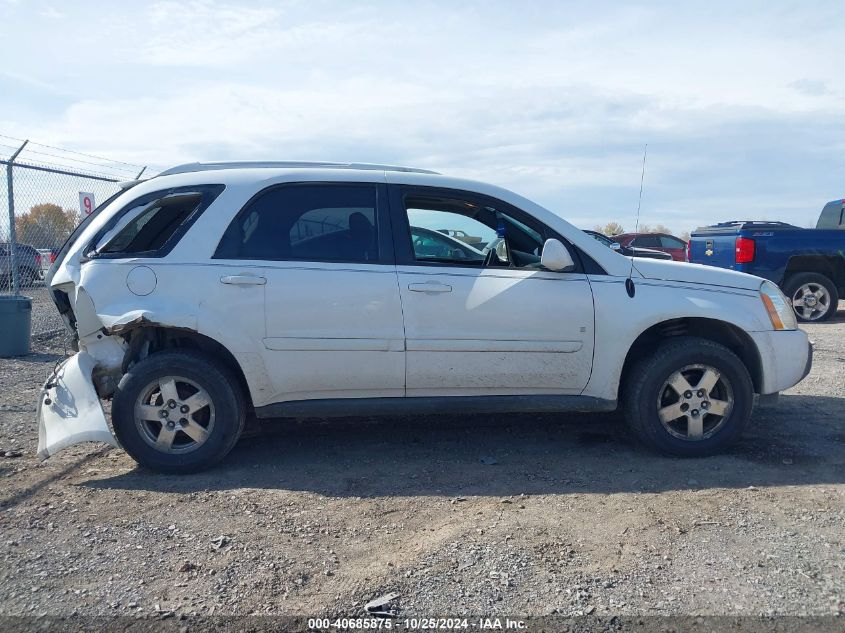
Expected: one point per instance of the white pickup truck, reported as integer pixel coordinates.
(220, 290)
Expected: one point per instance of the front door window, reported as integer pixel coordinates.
(448, 230)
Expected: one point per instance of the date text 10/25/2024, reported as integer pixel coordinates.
(416, 624)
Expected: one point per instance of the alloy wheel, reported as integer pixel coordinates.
(811, 301)
(174, 415)
(695, 402)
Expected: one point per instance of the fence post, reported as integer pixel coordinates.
(13, 245)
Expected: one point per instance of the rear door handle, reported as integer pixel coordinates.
(243, 280)
(429, 286)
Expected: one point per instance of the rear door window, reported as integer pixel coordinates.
(647, 241)
(671, 242)
(314, 222)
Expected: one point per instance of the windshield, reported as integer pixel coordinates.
(598, 237)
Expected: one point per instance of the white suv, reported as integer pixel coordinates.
(216, 291)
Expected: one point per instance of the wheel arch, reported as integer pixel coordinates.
(831, 266)
(147, 340)
(722, 332)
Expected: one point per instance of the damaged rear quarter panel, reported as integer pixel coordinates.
(185, 297)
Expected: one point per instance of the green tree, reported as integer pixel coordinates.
(45, 225)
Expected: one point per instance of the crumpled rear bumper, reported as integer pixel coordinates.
(69, 411)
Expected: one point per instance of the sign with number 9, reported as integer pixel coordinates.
(86, 202)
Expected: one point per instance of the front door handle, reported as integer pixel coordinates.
(429, 286)
(243, 280)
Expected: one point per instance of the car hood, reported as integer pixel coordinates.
(668, 270)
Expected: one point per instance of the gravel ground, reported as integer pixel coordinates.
(488, 515)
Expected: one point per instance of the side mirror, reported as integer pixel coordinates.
(615, 246)
(556, 256)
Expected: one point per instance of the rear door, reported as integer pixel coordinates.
(322, 253)
(500, 325)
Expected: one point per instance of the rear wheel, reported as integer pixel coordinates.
(814, 297)
(690, 398)
(178, 411)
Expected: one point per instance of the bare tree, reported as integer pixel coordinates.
(611, 228)
(661, 228)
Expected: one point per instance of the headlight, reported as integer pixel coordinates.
(780, 312)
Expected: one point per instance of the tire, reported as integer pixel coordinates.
(140, 399)
(647, 391)
(822, 288)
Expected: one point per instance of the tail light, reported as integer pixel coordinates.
(744, 250)
(38, 260)
(52, 258)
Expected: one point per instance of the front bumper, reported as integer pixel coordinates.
(69, 409)
(786, 356)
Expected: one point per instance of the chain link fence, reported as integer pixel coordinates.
(45, 192)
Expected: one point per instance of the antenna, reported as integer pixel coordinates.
(629, 283)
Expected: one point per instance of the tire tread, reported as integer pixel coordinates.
(642, 373)
(209, 366)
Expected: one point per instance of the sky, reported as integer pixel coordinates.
(741, 104)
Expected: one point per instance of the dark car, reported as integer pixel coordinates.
(663, 242)
(28, 262)
(626, 250)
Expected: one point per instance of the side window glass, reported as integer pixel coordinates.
(307, 223)
(465, 233)
(148, 228)
(447, 236)
(152, 224)
(670, 242)
(647, 241)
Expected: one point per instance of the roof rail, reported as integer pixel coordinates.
(287, 164)
(743, 224)
(752, 223)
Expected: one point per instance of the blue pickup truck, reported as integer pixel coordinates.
(808, 264)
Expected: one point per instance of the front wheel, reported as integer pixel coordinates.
(178, 411)
(691, 398)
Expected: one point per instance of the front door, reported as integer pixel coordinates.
(333, 320)
(482, 317)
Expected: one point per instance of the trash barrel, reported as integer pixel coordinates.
(15, 325)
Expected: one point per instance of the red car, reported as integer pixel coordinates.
(664, 242)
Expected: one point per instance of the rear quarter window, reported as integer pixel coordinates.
(153, 224)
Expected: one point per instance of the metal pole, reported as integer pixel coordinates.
(13, 246)
(141, 172)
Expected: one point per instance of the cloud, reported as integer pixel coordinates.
(555, 100)
(205, 33)
(811, 87)
(51, 13)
